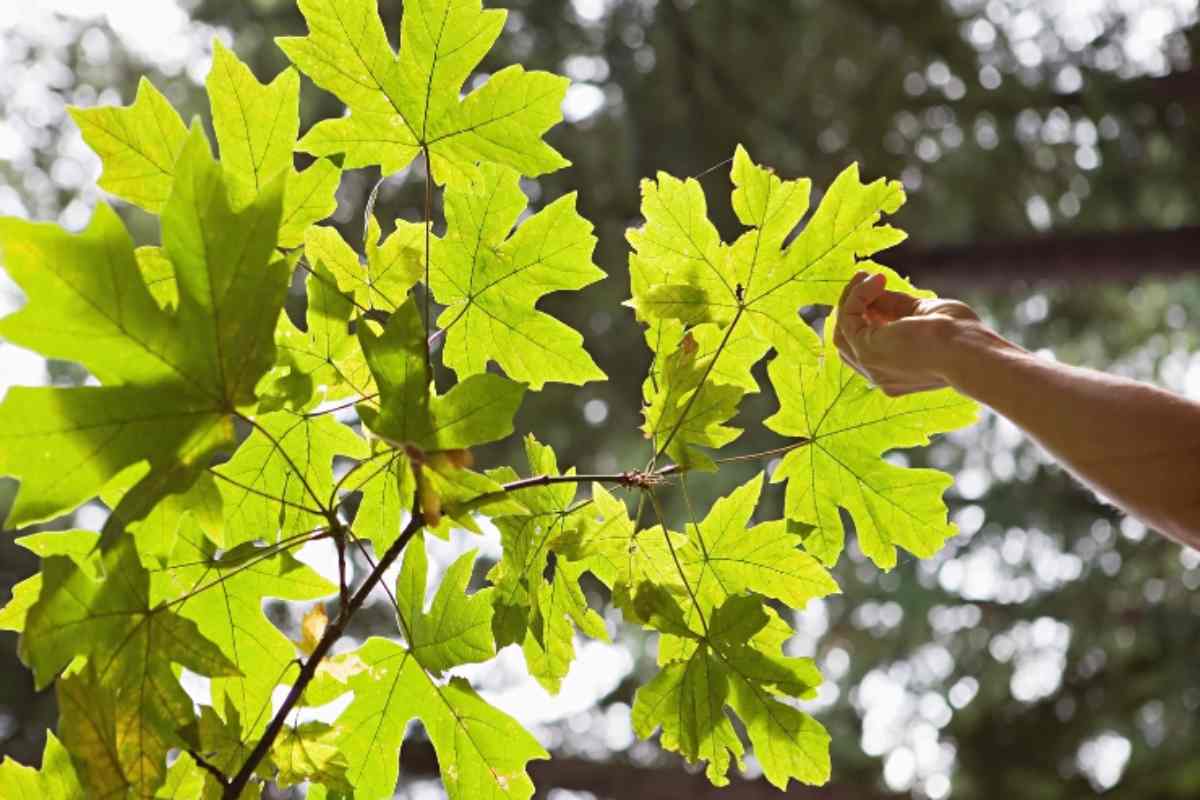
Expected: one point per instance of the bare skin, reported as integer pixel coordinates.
(1135, 444)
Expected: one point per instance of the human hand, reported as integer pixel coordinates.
(899, 343)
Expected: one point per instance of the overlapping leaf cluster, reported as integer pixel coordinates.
(223, 435)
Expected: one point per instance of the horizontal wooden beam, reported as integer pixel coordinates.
(1122, 257)
(623, 780)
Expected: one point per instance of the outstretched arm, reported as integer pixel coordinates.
(1137, 445)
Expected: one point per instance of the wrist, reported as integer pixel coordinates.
(968, 348)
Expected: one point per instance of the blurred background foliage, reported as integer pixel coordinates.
(1050, 651)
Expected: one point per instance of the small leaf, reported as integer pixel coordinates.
(322, 362)
(623, 557)
(137, 144)
(539, 613)
(388, 486)
(224, 598)
(723, 558)
(689, 697)
(686, 409)
(383, 279)
(312, 628)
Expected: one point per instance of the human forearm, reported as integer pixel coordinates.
(1136, 444)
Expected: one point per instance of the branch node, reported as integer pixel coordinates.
(641, 479)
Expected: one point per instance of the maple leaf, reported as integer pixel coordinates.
(538, 612)
(558, 608)
(322, 362)
(127, 693)
(685, 408)
(280, 478)
(725, 557)
(457, 629)
(390, 269)
(170, 380)
(490, 282)
(623, 557)
(681, 269)
(482, 753)
(308, 752)
(387, 484)
(256, 126)
(849, 425)
(401, 106)
(223, 596)
(256, 129)
(743, 348)
(475, 411)
(138, 146)
(688, 698)
(56, 780)
(76, 545)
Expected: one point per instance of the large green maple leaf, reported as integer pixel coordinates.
(490, 282)
(224, 595)
(740, 300)
(171, 380)
(403, 105)
(849, 425)
(482, 752)
(689, 696)
(681, 269)
(725, 556)
(127, 703)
